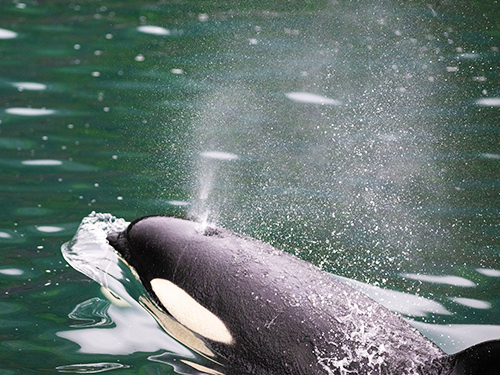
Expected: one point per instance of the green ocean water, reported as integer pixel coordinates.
(361, 136)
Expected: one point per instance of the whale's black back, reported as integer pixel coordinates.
(286, 316)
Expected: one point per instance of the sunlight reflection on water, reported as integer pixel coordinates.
(450, 280)
(30, 111)
(42, 162)
(219, 155)
(455, 337)
(489, 102)
(470, 302)
(33, 86)
(156, 30)
(90, 368)
(7, 34)
(489, 272)
(305, 97)
(49, 229)
(11, 271)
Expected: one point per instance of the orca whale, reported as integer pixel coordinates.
(253, 309)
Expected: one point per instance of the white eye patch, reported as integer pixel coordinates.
(190, 313)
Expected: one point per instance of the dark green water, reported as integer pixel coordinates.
(390, 175)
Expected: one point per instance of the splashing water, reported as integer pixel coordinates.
(207, 176)
(90, 253)
(131, 322)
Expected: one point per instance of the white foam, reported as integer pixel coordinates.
(89, 251)
(5, 235)
(306, 97)
(450, 280)
(155, 30)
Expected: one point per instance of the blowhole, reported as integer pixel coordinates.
(210, 231)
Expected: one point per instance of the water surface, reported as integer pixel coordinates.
(361, 136)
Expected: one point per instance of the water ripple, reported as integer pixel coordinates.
(90, 368)
(92, 313)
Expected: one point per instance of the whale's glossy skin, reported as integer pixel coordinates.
(284, 315)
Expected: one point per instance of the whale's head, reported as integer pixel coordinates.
(154, 240)
(167, 254)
